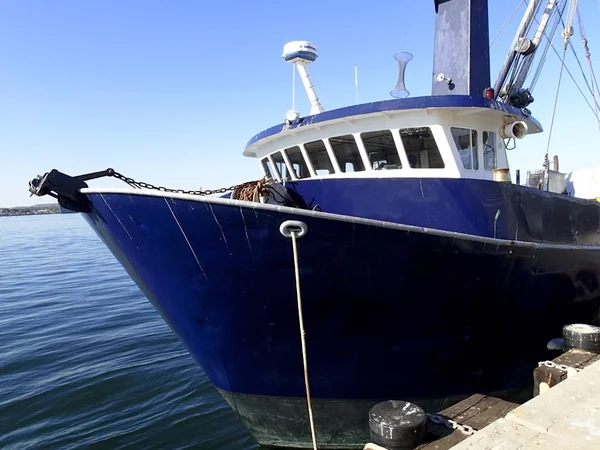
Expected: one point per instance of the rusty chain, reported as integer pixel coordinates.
(144, 185)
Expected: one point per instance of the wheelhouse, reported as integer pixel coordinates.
(412, 143)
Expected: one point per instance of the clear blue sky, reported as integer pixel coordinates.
(169, 92)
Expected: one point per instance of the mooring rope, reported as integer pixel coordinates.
(296, 229)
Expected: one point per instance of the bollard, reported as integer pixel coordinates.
(582, 336)
(397, 425)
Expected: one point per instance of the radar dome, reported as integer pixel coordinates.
(300, 54)
(299, 51)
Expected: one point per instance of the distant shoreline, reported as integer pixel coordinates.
(35, 210)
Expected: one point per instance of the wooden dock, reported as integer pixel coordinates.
(564, 417)
(563, 414)
(477, 412)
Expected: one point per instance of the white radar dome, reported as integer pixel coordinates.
(299, 51)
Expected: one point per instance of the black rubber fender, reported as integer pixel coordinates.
(582, 336)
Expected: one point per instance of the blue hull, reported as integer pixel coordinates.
(390, 311)
(476, 207)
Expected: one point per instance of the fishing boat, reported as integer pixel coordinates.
(384, 253)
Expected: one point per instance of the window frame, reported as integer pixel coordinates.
(478, 136)
(274, 166)
(360, 153)
(366, 159)
(494, 150)
(289, 162)
(328, 152)
(266, 169)
(438, 148)
(285, 163)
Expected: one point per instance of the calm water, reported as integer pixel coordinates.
(85, 360)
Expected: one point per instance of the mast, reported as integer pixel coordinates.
(522, 52)
(519, 36)
(461, 63)
(535, 42)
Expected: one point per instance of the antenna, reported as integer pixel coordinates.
(399, 90)
(293, 87)
(301, 54)
(356, 85)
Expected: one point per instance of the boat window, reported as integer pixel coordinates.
(347, 153)
(281, 166)
(489, 150)
(466, 143)
(421, 149)
(317, 152)
(296, 159)
(266, 164)
(381, 150)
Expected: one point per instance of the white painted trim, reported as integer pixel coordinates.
(438, 121)
(335, 217)
(287, 162)
(275, 169)
(447, 152)
(307, 160)
(332, 157)
(390, 173)
(501, 152)
(478, 174)
(465, 116)
(262, 167)
(338, 127)
(401, 150)
(363, 152)
(494, 147)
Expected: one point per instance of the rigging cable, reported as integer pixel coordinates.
(578, 61)
(568, 30)
(574, 81)
(589, 58)
(555, 102)
(593, 79)
(581, 68)
(569, 72)
(567, 33)
(554, 27)
(508, 20)
(519, 60)
(518, 63)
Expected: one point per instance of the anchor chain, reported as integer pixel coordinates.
(67, 189)
(453, 424)
(562, 367)
(143, 185)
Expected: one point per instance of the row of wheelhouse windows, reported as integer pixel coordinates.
(378, 151)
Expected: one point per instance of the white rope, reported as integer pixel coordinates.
(303, 340)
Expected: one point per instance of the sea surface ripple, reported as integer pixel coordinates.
(85, 360)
